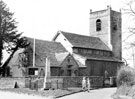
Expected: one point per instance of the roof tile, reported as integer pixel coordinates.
(85, 41)
(46, 48)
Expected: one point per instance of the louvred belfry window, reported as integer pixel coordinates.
(98, 25)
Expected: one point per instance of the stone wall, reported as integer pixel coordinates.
(116, 34)
(64, 82)
(52, 82)
(10, 82)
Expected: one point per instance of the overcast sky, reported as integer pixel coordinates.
(43, 18)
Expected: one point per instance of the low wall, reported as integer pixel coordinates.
(64, 82)
(52, 82)
(95, 81)
(10, 82)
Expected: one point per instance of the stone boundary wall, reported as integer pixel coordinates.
(56, 82)
(96, 81)
(10, 82)
(63, 82)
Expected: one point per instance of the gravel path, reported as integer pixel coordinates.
(104, 93)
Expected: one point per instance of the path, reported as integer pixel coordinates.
(104, 93)
(10, 95)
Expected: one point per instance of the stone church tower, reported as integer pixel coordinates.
(106, 24)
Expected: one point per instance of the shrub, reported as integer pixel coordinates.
(126, 76)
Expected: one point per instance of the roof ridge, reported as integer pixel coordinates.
(78, 34)
(42, 40)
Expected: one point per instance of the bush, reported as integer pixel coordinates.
(126, 76)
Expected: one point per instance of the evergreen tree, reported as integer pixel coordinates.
(9, 35)
(7, 27)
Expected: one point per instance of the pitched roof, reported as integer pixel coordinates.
(85, 41)
(46, 48)
(80, 60)
(61, 56)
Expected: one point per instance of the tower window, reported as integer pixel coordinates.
(114, 24)
(98, 25)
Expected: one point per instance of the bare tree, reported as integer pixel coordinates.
(129, 10)
(129, 44)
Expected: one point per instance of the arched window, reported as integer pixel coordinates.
(98, 25)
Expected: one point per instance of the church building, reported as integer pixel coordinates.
(101, 51)
(71, 54)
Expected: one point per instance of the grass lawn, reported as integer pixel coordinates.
(43, 93)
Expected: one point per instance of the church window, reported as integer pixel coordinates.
(114, 24)
(98, 25)
(69, 72)
(115, 27)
